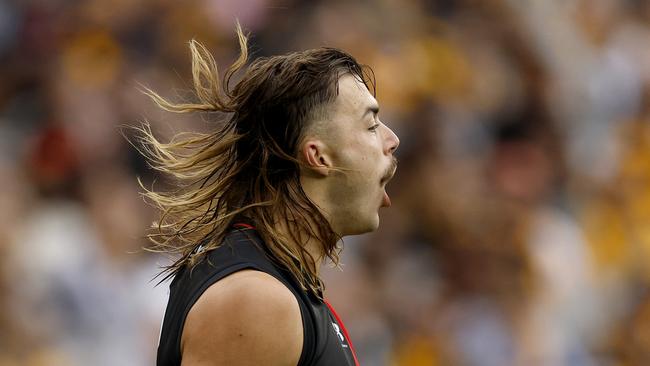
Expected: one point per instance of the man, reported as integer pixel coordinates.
(298, 160)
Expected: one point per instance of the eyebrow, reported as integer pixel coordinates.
(373, 108)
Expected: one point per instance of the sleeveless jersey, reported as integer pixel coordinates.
(325, 340)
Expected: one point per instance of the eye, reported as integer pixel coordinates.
(374, 127)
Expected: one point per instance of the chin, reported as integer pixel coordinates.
(363, 227)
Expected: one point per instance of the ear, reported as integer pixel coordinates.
(314, 153)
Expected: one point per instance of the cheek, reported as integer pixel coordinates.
(363, 192)
(354, 188)
(360, 155)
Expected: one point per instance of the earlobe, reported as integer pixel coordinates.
(313, 153)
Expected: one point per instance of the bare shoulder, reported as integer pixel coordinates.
(247, 318)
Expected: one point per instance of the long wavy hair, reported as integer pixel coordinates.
(248, 165)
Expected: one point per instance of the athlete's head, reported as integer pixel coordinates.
(297, 143)
(348, 154)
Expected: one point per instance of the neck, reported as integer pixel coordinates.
(312, 245)
(313, 248)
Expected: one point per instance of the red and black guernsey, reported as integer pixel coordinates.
(326, 342)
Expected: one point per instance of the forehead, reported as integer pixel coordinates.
(353, 98)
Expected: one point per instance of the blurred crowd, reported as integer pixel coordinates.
(520, 227)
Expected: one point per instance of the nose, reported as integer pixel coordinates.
(392, 141)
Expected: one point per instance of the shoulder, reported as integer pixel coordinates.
(246, 318)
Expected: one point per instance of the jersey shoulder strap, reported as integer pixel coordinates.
(241, 249)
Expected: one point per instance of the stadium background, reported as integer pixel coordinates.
(520, 226)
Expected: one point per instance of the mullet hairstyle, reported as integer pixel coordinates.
(248, 166)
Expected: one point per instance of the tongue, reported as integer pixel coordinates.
(386, 201)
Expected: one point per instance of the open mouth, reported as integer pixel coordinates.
(389, 173)
(384, 180)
